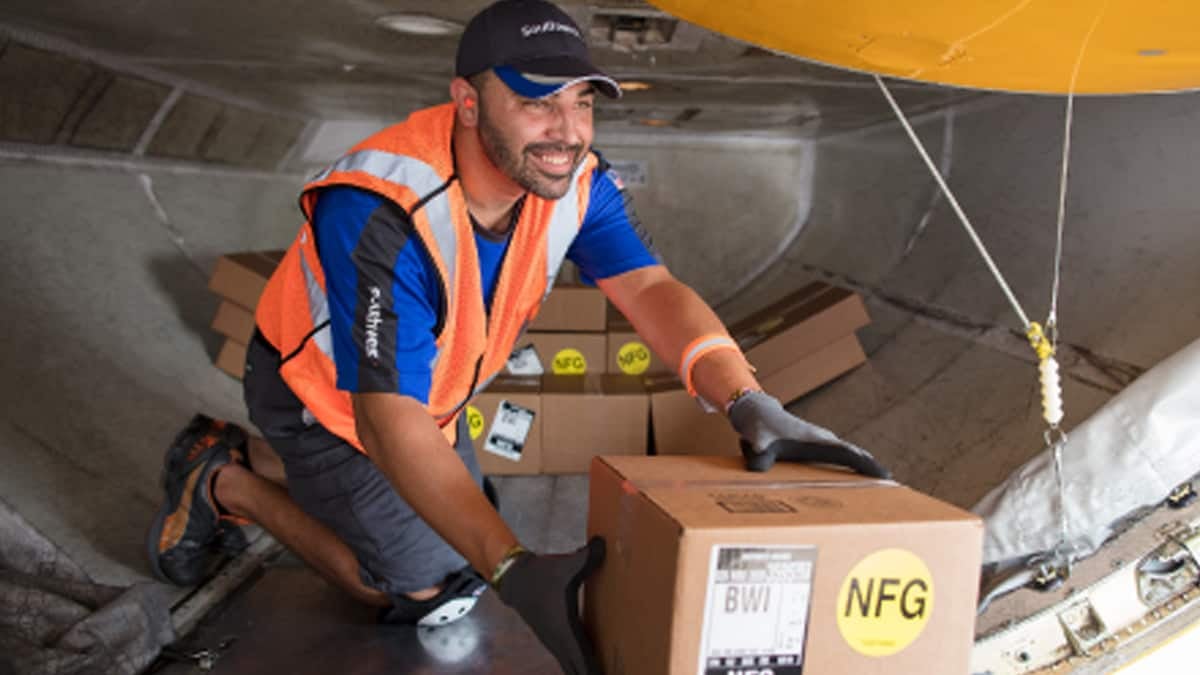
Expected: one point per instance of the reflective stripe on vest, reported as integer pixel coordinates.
(318, 309)
(564, 226)
(410, 164)
(418, 176)
(422, 179)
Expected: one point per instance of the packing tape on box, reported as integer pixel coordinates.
(642, 485)
(632, 489)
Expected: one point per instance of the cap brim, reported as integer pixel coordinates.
(539, 79)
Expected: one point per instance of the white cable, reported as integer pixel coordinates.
(937, 176)
(1052, 318)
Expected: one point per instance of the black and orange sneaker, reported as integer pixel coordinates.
(179, 541)
(231, 536)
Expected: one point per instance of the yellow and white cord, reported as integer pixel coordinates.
(1052, 402)
(1043, 341)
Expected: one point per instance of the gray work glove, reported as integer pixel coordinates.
(769, 432)
(544, 589)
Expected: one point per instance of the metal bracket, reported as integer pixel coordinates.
(203, 658)
(1182, 496)
(1083, 627)
(1048, 579)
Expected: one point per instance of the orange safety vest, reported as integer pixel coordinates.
(411, 164)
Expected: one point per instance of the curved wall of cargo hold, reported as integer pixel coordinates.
(949, 397)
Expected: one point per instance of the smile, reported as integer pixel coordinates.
(555, 159)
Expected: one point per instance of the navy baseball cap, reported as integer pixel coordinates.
(533, 46)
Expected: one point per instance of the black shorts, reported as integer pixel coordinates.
(341, 487)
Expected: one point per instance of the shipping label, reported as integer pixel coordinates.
(756, 611)
(510, 428)
(525, 361)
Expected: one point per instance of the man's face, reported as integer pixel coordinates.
(538, 143)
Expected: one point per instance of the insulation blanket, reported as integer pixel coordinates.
(55, 621)
(1128, 456)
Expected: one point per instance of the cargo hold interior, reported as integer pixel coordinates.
(139, 146)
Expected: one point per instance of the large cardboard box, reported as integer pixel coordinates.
(234, 322)
(241, 277)
(798, 325)
(677, 420)
(585, 416)
(559, 354)
(572, 308)
(232, 358)
(506, 427)
(713, 570)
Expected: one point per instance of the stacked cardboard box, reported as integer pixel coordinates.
(717, 571)
(796, 344)
(556, 424)
(582, 408)
(590, 416)
(506, 426)
(567, 336)
(239, 279)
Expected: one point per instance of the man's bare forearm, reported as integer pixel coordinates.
(409, 448)
(669, 315)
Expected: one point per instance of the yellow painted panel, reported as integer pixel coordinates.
(1119, 46)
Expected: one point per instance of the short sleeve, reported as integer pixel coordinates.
(383, 295)
(611, 240)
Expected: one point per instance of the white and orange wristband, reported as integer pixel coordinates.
(698, 349)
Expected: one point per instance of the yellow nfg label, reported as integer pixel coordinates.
(885, 602)
(569, 361)
(633, 358)
(475, 422)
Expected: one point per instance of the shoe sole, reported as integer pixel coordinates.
(449, 612)
(153, 535)
(176, 454)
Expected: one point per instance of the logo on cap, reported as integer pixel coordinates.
(531, 29)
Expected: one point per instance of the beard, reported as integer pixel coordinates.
(514, 162)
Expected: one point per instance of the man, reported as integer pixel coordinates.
(428, 248)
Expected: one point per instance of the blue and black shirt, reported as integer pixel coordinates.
(360, 233)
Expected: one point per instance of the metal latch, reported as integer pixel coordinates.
(1083, 627)
(202, 658)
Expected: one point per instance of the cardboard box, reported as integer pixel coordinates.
(559, 354)
(232, 358)
(591, 415)
(678, 421)
(572, 308)
(506, 427)
(234, 322)
(713, 570)
(241, 277)
(628, 355)
(798, 325)
(817, 368)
